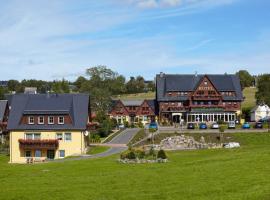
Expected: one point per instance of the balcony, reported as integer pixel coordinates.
(206, 97)
(38, 144)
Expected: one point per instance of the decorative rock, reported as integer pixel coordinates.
(183, 142)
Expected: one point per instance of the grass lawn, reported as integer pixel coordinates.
(229, 174)
(97, 149)
(138, 96)
(250, 100)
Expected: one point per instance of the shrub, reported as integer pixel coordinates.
(152, 152)
(161, 154)
(95, 138)
(126, 124)
(140, 124)
(131, 155)
(140, 153)
(221, 129)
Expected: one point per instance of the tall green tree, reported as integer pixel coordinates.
(60, 86)
(246, 79)
(102, 83)
(263, 92)
(2, 93)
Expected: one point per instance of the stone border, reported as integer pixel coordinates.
(141, 161)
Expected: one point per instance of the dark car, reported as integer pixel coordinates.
(265, 119)
(203, 126)
(258, 125)
(190, 126)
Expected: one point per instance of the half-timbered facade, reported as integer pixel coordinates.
(133, 111)
(198, 98)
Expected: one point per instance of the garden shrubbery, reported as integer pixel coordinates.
(161, 154)
(141, 154)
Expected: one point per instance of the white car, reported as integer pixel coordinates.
(215, 126)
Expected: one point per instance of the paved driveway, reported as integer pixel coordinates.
(125, 136)
(117, 144)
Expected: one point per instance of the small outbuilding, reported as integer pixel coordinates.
(259, 112)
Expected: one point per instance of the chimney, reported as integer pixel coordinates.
(196, 73)
(161, 74)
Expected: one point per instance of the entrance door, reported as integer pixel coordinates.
(50, 154)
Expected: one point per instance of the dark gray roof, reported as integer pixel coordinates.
(187, 82)
(132, 102)
(3, 106)
(76, 105)
(152, 104)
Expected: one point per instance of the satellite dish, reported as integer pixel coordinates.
(86, 133)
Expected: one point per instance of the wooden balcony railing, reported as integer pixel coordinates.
(38, 144)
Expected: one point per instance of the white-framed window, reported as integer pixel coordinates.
(37, 153)
(67, 136)
(61, 153)
(40, 120)
(61, 120)
(31, 120)
(32, 136)
(145, 118)
(50, 120)
(28, 153)
(59, 136)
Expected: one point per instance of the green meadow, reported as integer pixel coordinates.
(242, 173)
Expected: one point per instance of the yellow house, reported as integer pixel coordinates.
(46, 127)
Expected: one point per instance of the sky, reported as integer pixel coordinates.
(51, 40)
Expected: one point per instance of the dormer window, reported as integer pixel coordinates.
(61, 120)
(50, 120)
(40, 120)
(31, 120)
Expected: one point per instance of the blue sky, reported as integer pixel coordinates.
(60, 39)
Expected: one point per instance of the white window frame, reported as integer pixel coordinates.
(58, 137)
(60, 153)
(60, 118)
(29, 120)
(66, 137)
(32, 136)
(41, 117)
(52, 120)
(40, 153)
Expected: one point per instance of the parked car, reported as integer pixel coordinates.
(203, 126)
(190, 126)
(258, 125)
(153, 125)
(246, 125)
(121, 126)
(215, 125)
(265, 119)
(231, 125)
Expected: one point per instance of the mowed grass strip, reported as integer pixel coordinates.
(97, 149)
(203, 174)
(250, 100)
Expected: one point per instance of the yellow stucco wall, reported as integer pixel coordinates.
(76, 146)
